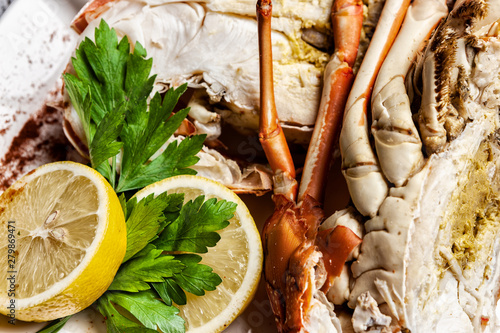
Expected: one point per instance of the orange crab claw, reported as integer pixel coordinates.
(291, 259)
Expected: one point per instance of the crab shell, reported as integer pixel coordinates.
(212, 45)
(429, 261)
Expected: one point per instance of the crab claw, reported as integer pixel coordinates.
(294, 271)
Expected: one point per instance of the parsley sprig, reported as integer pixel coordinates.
(153, 276)
(110, 93)
(124, 130)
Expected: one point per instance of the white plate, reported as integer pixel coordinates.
(36, 46)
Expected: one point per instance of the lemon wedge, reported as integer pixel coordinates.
(237, 257)
(62, 239)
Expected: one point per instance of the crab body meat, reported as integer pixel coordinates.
(429, 257)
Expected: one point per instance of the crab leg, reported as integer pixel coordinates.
(398, 144)
(282, 233)
(367, 185)
(285, 236)
(347, 20)
(294, 269)
(271, 135)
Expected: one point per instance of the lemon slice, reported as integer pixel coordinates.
(62, 239)
(237, 257)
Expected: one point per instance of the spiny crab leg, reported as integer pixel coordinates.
(367, 185)
(347, 21)
(398, 144)
(271, 135)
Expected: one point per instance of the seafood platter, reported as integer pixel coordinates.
(353, 145)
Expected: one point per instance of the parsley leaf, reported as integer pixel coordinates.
(175, 160)
(143, 136)
(146, 308)
(145, 219)
(170, 291)
(55, 326)
(80, 98)
(100, 69)
(151, 267)
(195, 228)
(104, 143)
(104, 67)
(115, 321)
(110, 94)
(194, 278)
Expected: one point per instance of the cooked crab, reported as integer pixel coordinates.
(429, 258)
(429, 255)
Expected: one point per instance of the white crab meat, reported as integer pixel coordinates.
(367, 316)
(429, 257)
(253, 178)
(212, 45)
(321, 317)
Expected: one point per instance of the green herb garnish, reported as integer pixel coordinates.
(110, 93)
